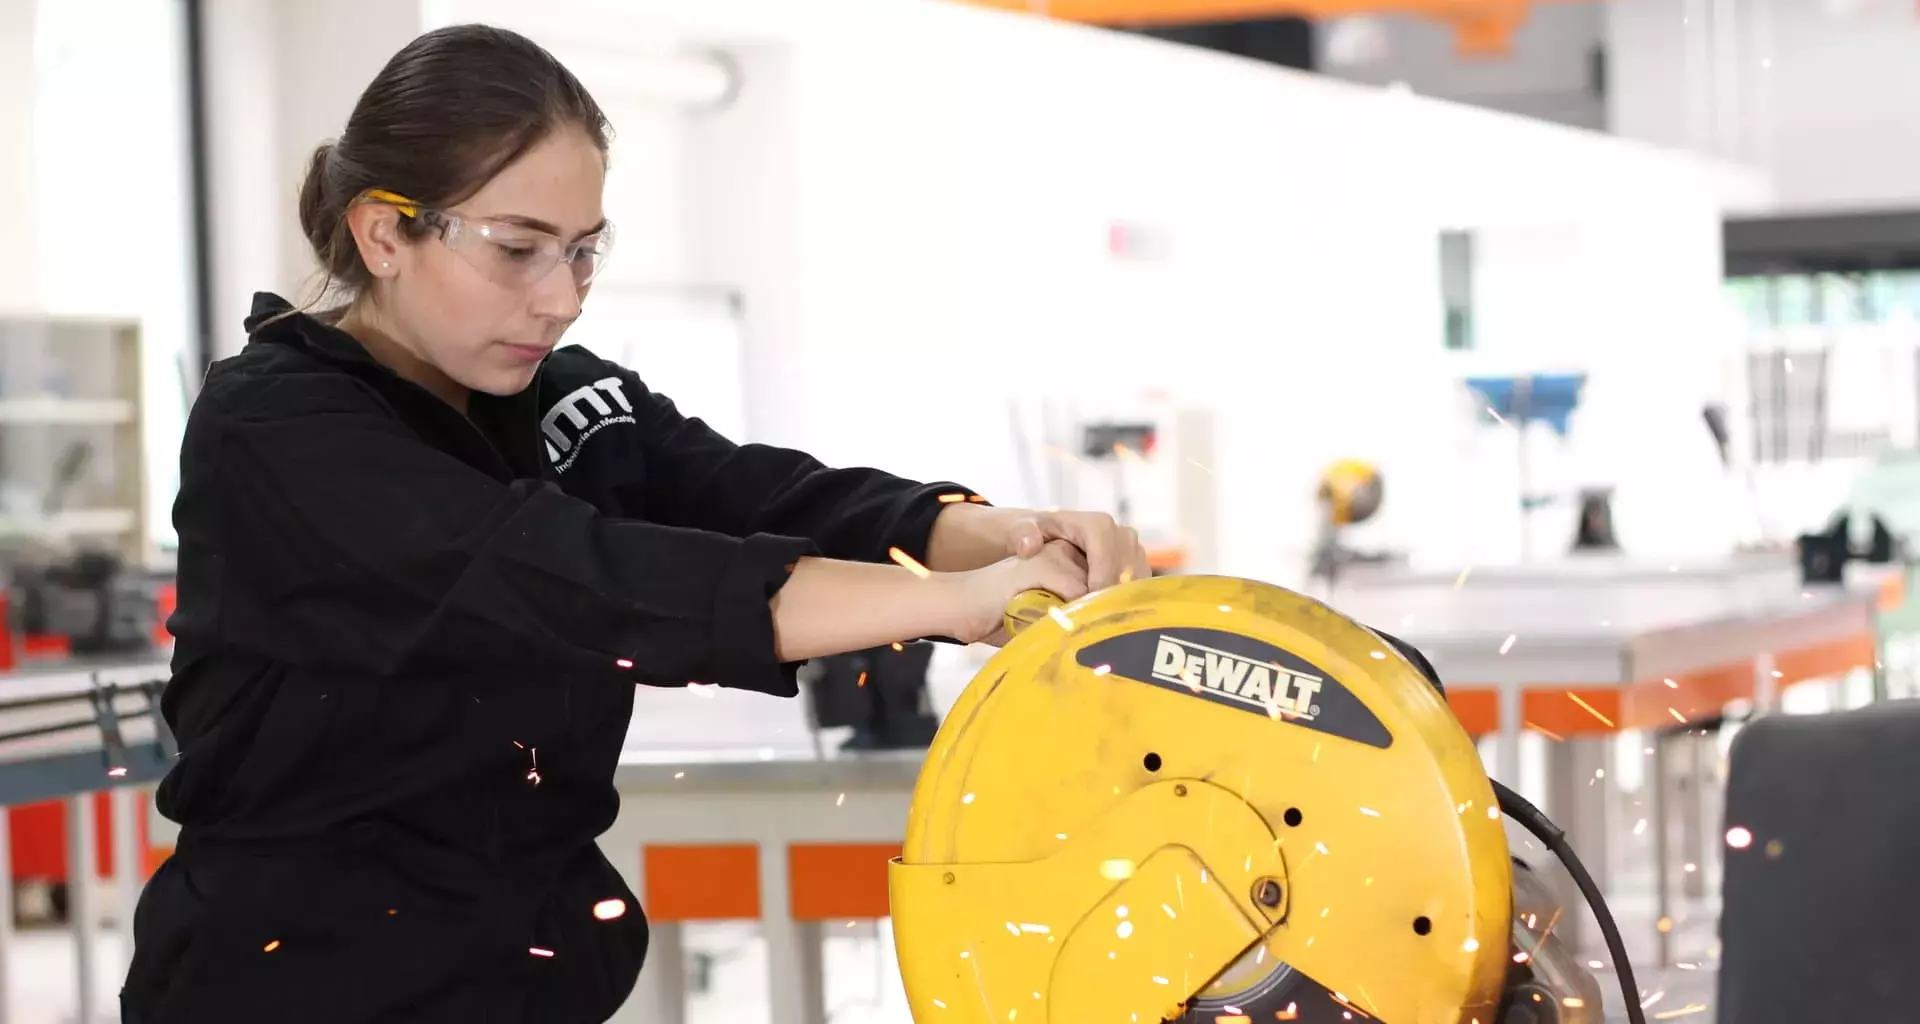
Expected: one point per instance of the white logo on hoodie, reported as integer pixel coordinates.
(580, 415)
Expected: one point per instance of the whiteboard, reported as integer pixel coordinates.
(686, 343)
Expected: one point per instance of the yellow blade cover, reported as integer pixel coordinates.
(1188, 774)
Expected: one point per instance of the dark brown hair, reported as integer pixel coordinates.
(447, 113)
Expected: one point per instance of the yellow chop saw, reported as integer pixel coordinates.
(1213, 801)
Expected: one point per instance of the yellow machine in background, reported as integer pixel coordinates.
(1203, 799)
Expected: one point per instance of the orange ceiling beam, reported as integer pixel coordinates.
(1482, 27)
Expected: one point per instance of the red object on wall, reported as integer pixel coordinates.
(165, 602)
(37, 838)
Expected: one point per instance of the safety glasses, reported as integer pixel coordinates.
(510, 255)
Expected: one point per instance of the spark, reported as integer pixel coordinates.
(1548, 733)
(940, 1003)
(966, 798)
(1508, 645)
(537, 951)
(1688, 967)
(1677, 716)
(1461, 580)
(1061, 617)
(862, 681)
(1101, 670)
(1640, 827)
(1171, 916)
(1035, 929)
(679, 775)
(1575, 1002)
(1322, 847)
(1654, 998)
(1369, 812)
(1378, 655)
(1589, 709)
(1226, 609)
(1292, 1012)
(1497, 418)
(952, 499)
(1685, 1011)
(840, 801)
(1665, 925)
(1115, 870)
(623, 663)
(1124, 929)
(1158, 980)
(609, 910)
(907, 562)
(1671, 685)
(1471, 946)
(116, 773)
(1014, 928)
(1059, 835)
(1690, 868)
(1596, 965)
(1493, 813)
(899, 646)
(1774, 849)
(1521, 957)
(271, 946)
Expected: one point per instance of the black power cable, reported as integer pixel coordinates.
(1516, 807)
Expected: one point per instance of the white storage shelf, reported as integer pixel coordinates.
(65, 384)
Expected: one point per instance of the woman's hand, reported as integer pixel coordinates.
(969, 536)
(1113, 552)
(979, 597)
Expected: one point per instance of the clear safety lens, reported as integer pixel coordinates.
(521, 257)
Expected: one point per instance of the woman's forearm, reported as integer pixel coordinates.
(967, 536)
(831, 607)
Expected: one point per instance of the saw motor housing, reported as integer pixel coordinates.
(1205, 798)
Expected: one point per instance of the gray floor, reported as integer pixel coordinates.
(728, 987)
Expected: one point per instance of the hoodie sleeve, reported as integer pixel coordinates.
(694, 476)
(340, 537)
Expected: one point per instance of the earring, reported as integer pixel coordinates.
(384, 265)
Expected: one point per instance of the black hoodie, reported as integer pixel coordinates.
(389, 615)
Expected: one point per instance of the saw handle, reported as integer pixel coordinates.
(1027, 608)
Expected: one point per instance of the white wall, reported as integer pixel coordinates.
(101, 162)
(1816, 91)
(949, 212)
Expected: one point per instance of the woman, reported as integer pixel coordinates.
(425, 555)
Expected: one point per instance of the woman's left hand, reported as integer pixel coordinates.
(1114, 553)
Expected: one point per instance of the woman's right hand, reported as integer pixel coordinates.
(979, 597)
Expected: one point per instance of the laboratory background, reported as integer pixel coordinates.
(1571, 342)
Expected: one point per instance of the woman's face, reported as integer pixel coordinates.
(485, 308)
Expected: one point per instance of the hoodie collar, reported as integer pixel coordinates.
(509, 423)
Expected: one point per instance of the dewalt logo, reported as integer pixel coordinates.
(1256, 684)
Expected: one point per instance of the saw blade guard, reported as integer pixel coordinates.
(1201, 798)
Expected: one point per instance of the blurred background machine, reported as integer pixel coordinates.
(879, 693)
(1350, 492)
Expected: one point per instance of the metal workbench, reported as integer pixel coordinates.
(68, 731)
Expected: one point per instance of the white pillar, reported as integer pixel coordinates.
(282, 77)
(19, 257)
